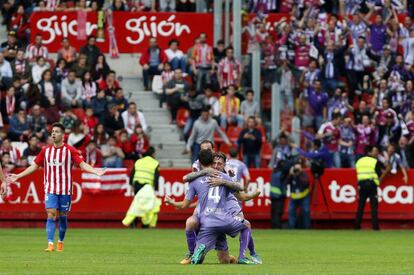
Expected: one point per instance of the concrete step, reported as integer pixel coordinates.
(165, 126)
(170, 150)
(161, 139)
(149, 106)
(167, 163)
(157, 117)
(164, 136)
(144, 96)
(169, 157)
(164, 131)
(155, 111)
(161, 119)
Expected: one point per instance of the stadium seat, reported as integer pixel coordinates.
(225, 149)
(182, 116)
(263, 132)
(233, 133)
(266, 154)
(267, 101)
(217, 94)
(217, 138)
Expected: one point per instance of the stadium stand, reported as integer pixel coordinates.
(348, 57)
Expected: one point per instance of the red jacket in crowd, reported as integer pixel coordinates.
(145, 57)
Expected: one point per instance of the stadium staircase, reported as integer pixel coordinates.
(165, 137)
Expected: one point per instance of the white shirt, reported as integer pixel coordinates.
(409, 50)
(37, 72)
(5, 69)
(173, 54)
(361, 59)
(75, 138)
(130, 125)
(214, 105)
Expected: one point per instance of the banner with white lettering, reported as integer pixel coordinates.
(338, 186)
(133, 30)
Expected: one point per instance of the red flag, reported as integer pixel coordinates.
(114, 181)
(81, 25)
(113, 46)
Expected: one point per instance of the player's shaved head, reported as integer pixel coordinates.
(206, 158)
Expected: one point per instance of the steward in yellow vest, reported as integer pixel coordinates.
(144, 178)
(368, 170)
(145, 171)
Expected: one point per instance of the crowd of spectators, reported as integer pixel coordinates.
(349, 66)
(345, 68)
(206, 78)
(79, 89)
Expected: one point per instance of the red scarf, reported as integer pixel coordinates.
(231, 105)
(229, 72)
(139, 146)
(136, 120)
(10, 105)
(198, 54)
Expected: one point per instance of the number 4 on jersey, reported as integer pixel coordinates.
(214, 194)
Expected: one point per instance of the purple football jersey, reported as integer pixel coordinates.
(212, 201)
(238, 167)
(233, 205)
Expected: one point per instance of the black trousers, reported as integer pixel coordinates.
(276, 212)
(367, 189)
(355, 78)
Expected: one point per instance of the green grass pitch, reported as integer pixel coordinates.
(127, 251)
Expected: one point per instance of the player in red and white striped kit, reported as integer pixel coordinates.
(57, 160)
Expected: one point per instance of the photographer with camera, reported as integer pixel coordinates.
(280, 163)
(299, 196)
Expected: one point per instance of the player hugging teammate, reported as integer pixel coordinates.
(218, 186)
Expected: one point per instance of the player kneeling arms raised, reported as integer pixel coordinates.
(218, 212)
(57, 160)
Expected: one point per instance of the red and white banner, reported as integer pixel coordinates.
(132, 32)
(114, 181)
(338, 185)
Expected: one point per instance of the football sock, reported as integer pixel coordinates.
(251, 245)
(244, 241)
(63, 225)
(50, 230)
(191, 240)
